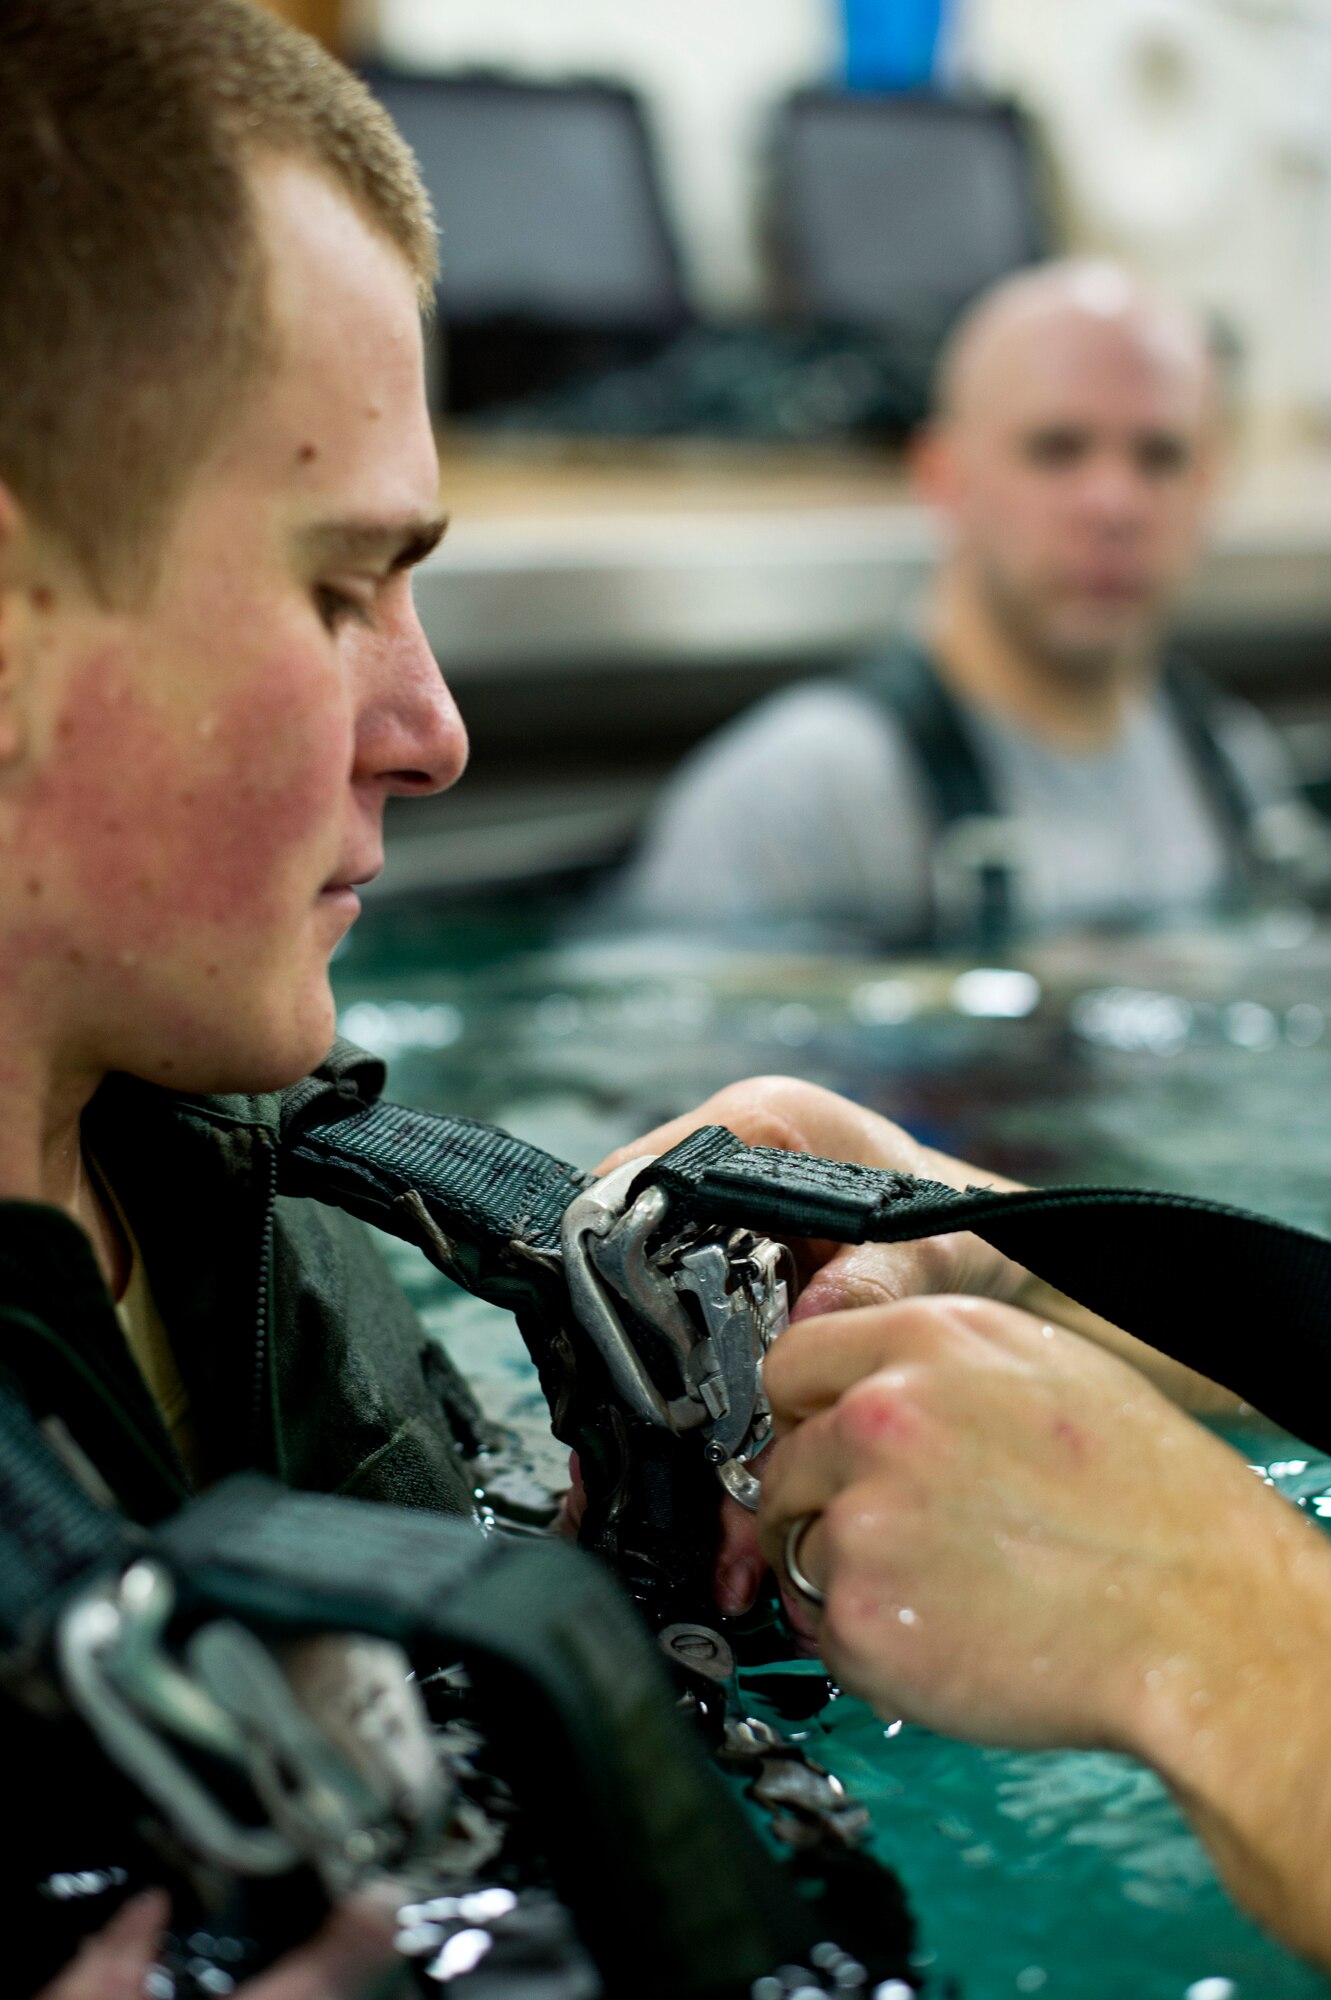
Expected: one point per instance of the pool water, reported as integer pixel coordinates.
(1201, 1064)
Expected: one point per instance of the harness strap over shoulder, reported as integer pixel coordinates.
(903, 681)
(1193, 704)
(486, 1207)
(1241, 1298)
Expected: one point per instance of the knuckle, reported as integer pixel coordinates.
(781, 1135)
(879, 1409)
(999, 1325)
(931, 1323)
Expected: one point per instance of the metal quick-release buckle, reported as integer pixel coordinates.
(332, 1738)
(716, 1298)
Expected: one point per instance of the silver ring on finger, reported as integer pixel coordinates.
(802, 1585)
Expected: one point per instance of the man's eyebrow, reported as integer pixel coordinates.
(391, 545)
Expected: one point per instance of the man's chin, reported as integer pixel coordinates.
(1078, 635)
(299, 1049)
(274, 1049)
(1092, 648)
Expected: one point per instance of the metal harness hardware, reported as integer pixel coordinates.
(248, 1672)
(706, 1301)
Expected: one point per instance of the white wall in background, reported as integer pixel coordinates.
(1192, 137)
(710, 71)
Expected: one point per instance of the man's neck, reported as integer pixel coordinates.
(41, 1151)
(1079, 712)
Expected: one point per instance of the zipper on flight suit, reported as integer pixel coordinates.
(264, 1443)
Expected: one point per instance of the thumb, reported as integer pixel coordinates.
(115, 1962)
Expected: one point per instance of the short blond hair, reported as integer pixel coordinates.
(133, 294)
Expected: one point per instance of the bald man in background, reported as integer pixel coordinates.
(1028, 761)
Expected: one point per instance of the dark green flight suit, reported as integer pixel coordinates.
(300, 1355)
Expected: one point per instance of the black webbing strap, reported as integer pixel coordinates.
(1193, 705)
(499, 1198)
(1243, 1299)
(668, 1883)
(904, 682)
(52, 1535)
(903, 679)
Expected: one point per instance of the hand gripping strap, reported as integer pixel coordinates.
(1243, 1299)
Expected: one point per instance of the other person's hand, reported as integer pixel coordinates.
(795, 1117)
(1021, 1541)
(798, 1117)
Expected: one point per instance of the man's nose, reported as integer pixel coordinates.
(410, 738)
(1113, 491)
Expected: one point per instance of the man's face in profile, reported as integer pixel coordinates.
(215, 765)
(1081, 468)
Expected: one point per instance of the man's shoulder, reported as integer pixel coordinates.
(829, 702)
(830, 727)
(1255, 749)
(200, 1180)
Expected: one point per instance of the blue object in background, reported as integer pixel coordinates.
(892, 44)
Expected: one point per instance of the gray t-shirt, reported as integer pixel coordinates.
(811, 808)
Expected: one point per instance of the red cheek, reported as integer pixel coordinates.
(163, 824)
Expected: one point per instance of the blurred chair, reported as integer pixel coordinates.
(562, 302)
(891, 212)
(558, 255)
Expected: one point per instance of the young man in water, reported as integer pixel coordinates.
(216, 470)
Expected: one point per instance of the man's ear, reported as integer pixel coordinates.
(932, 459)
